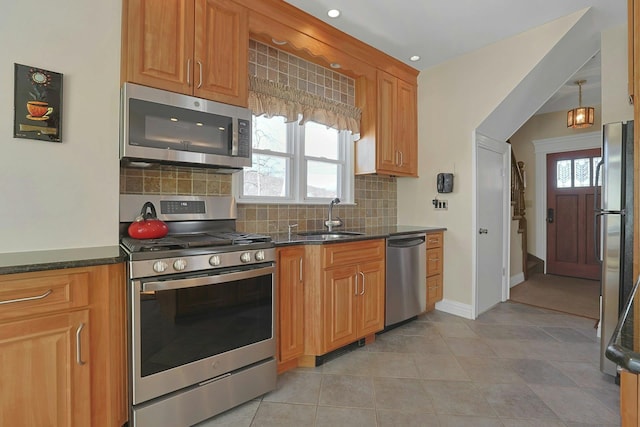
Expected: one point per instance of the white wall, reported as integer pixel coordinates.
(615, 107)
(62, 195)
(615, 75)
(454, 98)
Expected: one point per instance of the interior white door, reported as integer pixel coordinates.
(490, 219)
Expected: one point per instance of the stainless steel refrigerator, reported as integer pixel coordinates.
(614, 229)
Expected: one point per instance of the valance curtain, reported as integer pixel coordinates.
(275, 99)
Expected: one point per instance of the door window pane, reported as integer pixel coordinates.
(322, 179)
(320, 141)
(563, 174)
(582, 172)
(269, 134)
(266, 177)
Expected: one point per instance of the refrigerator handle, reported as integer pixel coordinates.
(597, 187)
(596, 235)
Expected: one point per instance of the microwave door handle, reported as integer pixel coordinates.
(235, 129)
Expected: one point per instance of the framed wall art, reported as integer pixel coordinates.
(37, 104)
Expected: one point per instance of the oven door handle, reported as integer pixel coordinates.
(207, 280)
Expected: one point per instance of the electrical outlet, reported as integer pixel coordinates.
(440, 204)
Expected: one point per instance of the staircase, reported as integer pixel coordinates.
(518, 185)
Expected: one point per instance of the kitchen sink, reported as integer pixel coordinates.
(330, 234)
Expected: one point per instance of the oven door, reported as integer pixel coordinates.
(189, 330)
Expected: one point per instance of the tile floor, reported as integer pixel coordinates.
(515, 366)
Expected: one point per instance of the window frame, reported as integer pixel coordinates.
(296, 178)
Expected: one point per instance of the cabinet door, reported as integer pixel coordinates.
(434, 290)
(290, 303)
(371, 290)
(339, 296)
(159, 44)
(221, 51)
(434, 261)
(407, 128)
(42, 382)
(386, 152)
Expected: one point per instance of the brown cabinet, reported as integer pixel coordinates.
(195, 47)
(345, 296)
(62, 341)
(435, 259)
(290, 302)
(397, 131)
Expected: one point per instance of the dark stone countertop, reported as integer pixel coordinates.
(284, 239)
(24, 262)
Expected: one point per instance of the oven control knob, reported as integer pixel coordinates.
(260, 256)
(179, 264)
(160, 266)
(245, 257)
(214, 260)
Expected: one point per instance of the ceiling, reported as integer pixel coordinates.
(438, 30)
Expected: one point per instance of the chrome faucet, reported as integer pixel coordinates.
(330, 222)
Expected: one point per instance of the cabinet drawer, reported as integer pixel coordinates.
(434, 261)
(434, 240)
(434, 289)
(42, 293)
(352, 253)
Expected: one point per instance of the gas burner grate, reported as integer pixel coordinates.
(239, 237)
(143, 245)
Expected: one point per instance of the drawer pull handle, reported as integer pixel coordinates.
(434, 259)
(79, 345)
(433, 240)
(11, 301)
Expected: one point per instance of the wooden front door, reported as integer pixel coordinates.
(570, 214)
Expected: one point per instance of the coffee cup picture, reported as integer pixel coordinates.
(37, 104)
(38, 110)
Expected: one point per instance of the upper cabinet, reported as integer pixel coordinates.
(195, 47)
(397, 127)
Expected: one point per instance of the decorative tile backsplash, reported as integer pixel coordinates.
(276, 65)
(375, 196)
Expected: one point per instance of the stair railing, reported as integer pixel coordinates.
(518, 185)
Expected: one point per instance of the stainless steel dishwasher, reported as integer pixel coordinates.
(406, 290)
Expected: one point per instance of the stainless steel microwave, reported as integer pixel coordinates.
(159, 126)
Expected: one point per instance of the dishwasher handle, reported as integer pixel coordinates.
(407, 242)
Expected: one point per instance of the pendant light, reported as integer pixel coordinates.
(581, 117)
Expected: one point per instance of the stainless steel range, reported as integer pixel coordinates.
(201, 312)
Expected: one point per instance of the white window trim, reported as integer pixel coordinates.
(297, 178)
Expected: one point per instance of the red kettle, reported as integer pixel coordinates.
(147, 225)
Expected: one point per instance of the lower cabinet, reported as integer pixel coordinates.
(63, 348)
(46, 380)
(290, 306)
(344, 295)
(435, 264)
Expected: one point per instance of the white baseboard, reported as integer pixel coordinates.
(516, 280)
(455, 308)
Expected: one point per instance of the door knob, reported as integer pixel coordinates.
(483, 231)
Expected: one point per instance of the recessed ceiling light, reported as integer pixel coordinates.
(173, 119)
(279, 42)
(415, 58)
(335, 65)
(333, 13)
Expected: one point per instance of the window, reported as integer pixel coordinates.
(295, 163)
(577, 172)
